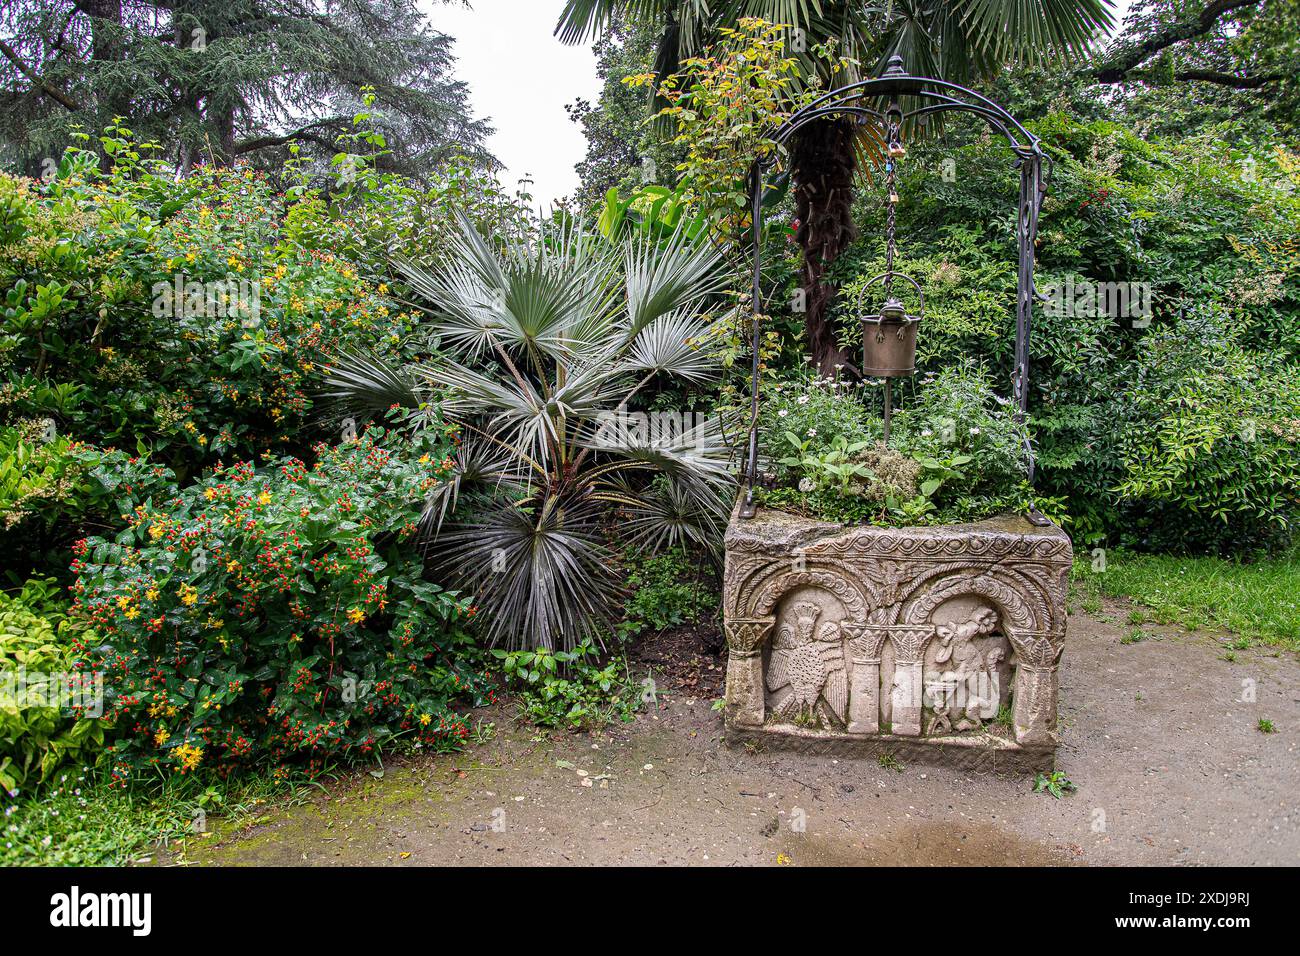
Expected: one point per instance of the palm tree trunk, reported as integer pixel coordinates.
(822, 166)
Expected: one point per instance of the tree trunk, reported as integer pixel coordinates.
(822, 166)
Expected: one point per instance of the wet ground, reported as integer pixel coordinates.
(1161, 737)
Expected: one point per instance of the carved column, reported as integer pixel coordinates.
(745, 694)
(1034, 698)
(865, 642)
(909, 653)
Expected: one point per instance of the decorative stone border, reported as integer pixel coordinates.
(879, 639)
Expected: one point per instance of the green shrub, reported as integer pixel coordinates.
(263, 614)
(40, 698)
(176, 319)
(39, 476)
(569, 688)
(1211, 441)
(667, 590)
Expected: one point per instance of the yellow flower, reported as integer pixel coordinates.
(151, 594)
(209, 493)
(161, 737)
(131, 613)
(157, 531)
(189, 756)
(123, 601)
(356, 615)
(189, 596)
(264, 498)
(424, 720)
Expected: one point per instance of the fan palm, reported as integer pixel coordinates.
(957, 40)
(543, 343)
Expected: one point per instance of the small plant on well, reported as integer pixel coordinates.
(1133, 636)
(890, 762)
(1055, 783)
(1266, 726)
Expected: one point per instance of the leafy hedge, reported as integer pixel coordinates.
(38, 731)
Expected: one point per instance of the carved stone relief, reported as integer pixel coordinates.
(925, 633)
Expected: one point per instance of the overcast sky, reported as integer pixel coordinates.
(520, 77)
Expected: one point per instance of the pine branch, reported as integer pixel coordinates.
(302, 132)
(49, 89)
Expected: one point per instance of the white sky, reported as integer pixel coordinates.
(520, 77)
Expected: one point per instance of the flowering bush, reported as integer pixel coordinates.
(955, 451)
(277, 612)
(182, 316)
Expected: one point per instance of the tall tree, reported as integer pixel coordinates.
(622, 146)
(1182, 64)
(223, 80)
(958, 40)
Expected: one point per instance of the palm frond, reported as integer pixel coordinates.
(364, 384)
(663, 277)
(678, 344)
(542, 575)
(1028, 31)
(669, 513)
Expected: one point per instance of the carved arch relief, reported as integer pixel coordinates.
(876, 631)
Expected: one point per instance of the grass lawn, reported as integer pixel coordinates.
(76, 820)
(1260, 600)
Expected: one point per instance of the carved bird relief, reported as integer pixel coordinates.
(806, 670)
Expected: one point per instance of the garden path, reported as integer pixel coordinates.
(1170, 763)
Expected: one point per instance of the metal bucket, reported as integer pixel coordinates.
(889, 348)
(889, 337)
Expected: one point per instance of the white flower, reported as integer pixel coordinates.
(812, 433)
(926, 433)
(974, 431)
(782, 413)
(806, 485)
(803, 399)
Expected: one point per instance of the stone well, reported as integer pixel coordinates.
(938, 644)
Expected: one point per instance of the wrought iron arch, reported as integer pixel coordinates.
(925, 96)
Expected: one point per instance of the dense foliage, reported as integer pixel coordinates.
(1164, 356)
(265, 613)
(38, 686)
